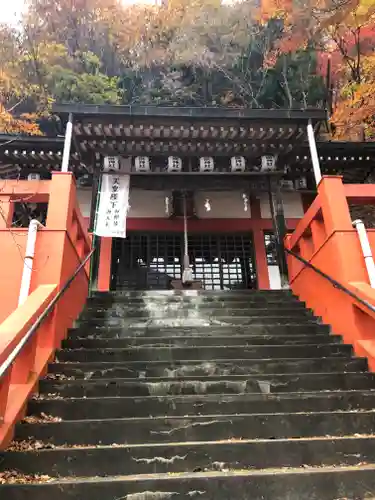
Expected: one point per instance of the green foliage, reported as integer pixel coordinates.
(186, 53)
(82, 84)
(83, 88)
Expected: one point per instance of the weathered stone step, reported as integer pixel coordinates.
(121, 407)
(175, 320)
(160, 312)
(188, 322)
(198, 340)
(228, 384)
(201, 428)
(186, 303)
(181, 368)
(227, 294)
(203, 330)
(204, 353)
(300, 483)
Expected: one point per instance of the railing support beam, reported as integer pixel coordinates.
(279, 225)
(28, 261)
(67, 144)
(314, 153)
(366, 250)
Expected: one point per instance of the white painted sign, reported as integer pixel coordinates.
(113, 206)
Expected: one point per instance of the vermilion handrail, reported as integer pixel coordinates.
(334, 283)
(304, 224)
(4, 367)
(77, 215)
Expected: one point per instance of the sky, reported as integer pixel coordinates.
(10, 10)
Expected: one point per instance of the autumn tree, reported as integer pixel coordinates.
(342, 32)
(61, 77)
(354, 116)
(218, 54)
(182, 52)
(14, 90)
(95, 26)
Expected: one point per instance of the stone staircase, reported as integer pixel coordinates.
(167, 395)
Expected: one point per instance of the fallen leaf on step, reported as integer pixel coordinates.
(43, 417)
(30, 445)
(15, 477)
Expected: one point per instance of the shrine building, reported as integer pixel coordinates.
(187, 307)
(235, 181)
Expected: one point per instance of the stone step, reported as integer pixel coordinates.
(164, 395)
(121, 407)
(194, 456)
(327, 483)
(205, 353)
(227, 294)
(186, 303)
(209, 330)
(197, 340)
(197, 321)
(142, 369)
(200, 428)
(236, 384)
(159, 311)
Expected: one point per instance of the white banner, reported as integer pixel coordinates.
(113, 206)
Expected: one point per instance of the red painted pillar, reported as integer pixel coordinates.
(105, 258)
(335, 207)
(343, 262)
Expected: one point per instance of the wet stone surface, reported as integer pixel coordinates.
(162, 395)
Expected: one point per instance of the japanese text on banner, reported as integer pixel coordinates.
(113, 206)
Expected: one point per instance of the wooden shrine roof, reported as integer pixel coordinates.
(33, 154)
(187, 131)
(355, 161)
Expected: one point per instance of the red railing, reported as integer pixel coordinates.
(30, 334)
(326, 239)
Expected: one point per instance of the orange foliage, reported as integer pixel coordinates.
(321, 21)
(22, 126)
(344, 31)
(292, 41)
(280, 9)
(354, 118)
(337, 65)
(355, 112)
